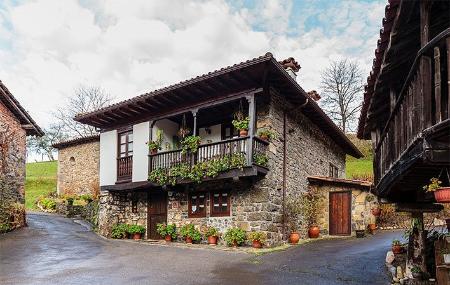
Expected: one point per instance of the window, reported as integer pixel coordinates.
(126, 144)
(197, 205)
(334, 171)
(229, 132)
(220, 203)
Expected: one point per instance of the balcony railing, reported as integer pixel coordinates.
(421, 104)
(233, 148)
(124, 168)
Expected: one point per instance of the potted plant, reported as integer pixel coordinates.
(376, 211)
(293, 211)
(190, 144)
(257, 238)
(441, 194)
(119, 231)
(372, 224)
(266, 135)
(155, 145)
(190, 233)
(397, 247)
(235, 237)
(242, 126)
(213, 235)
(169, 232)
(136, 231)
(416, 272)
(446, 255)
(308, 204)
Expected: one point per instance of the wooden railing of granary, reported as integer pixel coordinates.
(421, 104)
(207, 152)
(124, 167)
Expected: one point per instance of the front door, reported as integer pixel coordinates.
(157, 213)
(340, 213)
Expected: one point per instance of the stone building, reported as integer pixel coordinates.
(255, 177)
(78, 166)
(15, 125)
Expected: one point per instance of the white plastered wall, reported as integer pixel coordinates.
(108, 158)
(141, 134)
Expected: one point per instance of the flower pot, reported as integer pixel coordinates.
(257, 244)
(313, 232)
(243, 133)
(168, 238)
(137, 236)
(294, 237)
(442, 195)
(154, 151)
(212, 240)
(264, 137)
(372, 227)
(188, 240)
(397, 249)
(360, 233)
(446, 258)
(376, 212)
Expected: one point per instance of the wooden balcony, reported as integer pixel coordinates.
(415, 143)
(124, 168)
(250, 156)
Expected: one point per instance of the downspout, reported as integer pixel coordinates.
(285, 112)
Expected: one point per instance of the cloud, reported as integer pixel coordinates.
(49, 47)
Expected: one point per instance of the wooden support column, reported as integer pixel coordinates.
(424, 22)
(437, 84)
(448, 77)
(194, 114)
(251, 127)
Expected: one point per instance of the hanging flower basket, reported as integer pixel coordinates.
(442, 195)
(376, 212)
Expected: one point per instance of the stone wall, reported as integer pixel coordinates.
(78, 169)
(360, 208)
(12, 162)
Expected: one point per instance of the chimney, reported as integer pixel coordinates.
(291, 66)
(314, 95)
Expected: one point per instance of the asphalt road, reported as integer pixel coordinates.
(56, 250)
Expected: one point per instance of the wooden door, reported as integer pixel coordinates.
(157, 213)
(340, 213)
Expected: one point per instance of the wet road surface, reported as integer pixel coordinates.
(55, 250)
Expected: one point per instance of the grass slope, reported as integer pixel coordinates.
(41, 180)
(363, 167)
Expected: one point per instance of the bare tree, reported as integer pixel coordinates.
(43, 145)
(341, 91)
(85, 99)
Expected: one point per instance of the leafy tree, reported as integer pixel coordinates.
(43, 145)
(342, 86)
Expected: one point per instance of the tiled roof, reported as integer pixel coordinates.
(339, 181)
(76, 141)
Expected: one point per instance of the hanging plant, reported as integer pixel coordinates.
(155, 145)
(441, 194)
(184, 130)
(190, 144)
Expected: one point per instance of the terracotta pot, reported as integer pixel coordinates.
(397, 249)
(442, 195)
(314, 232)
(264, 137)
(372, 227)
(212, 240)
(256, 244)
(243, 133)
(154, 151)
(294, 237)
(168, 238)
(137, 236)
(188, 240)
(376, 212)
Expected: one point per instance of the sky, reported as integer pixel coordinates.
(129, 47)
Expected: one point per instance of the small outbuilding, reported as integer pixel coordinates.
(343, 206)
(78, 166)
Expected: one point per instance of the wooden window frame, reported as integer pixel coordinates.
(228, 201)
(333, 171)
(119, 144)
(201, 214)
(232, 130)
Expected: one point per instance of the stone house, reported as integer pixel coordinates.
(257, 176)
(15, 125)
(78, 158)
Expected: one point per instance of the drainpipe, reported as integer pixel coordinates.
(285, 112)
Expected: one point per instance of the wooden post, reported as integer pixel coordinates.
(426, 91)
(251, 127)
(437, 83)
(448, 77)
(424, 22)
(150, 138)
(194, 114)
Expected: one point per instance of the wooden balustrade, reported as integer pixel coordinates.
(124, 167)
(421, 104)
(206, 152)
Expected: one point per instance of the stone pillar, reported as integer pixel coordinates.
(416, 243)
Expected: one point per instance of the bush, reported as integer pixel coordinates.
(167, 230)
(5, 228)
(212, 232)
(87, 198)
(257, 236)
(189, 230)
(136, 229)
(235, 235)
(48, 203)
(119, 231)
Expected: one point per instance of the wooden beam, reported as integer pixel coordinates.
(418, 207)
(448, 77)
(424, 22)
(437, 84)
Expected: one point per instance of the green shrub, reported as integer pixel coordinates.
(136, 229)
(241, 124)
(235, 235)
(190, 144)
(212, 232)
(119, 231)
(5, 228)
(189, 230)
(86, 197)
(47, 203)
(165, 230)
(260, 159)
(257, 236)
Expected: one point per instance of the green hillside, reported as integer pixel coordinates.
(360, 168)
(41, 180)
